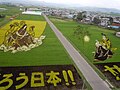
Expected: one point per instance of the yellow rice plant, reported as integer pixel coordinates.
(39, 28)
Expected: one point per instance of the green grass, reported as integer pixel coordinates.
(3, 21)
(11, 10)
(30, 17)
(51, 52)
(67, 28)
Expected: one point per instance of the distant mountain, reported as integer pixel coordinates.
(73, 6)
(32, 2)
(96, 9)
(24, 2)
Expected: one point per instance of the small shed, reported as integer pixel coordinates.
(118, 34)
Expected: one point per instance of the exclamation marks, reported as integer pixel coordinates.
(65, 77)
(70, 74)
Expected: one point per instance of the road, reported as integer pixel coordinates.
(91, 76)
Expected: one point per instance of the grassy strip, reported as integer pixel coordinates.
(31, 17)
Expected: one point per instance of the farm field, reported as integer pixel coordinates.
(107, 69)
(30, 17)
(10, 10)
(50, 55)
(38, 31)
(51, 52)
(86, 48)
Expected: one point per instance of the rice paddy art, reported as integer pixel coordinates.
(21, 35)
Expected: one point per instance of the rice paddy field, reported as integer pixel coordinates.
(51, 52)
(39, 28)
(87, 48)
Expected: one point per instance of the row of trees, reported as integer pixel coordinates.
(81, 15)
(98, 21)
(2, 16)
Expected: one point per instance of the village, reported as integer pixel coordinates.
(87, 17)
(104, 20)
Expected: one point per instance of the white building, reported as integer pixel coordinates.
(32, 12)
(118, 34)
(104, 22)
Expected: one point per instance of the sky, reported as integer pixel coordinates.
(93, 3)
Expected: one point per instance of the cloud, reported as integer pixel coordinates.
(93, 3)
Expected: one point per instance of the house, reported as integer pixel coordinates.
(115, 25)
(87, 20)
(118, 34)
(21, 9)
(69, 16)
(105, 21)
(116, 19)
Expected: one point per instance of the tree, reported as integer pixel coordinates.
(81, 31)
(74, 17)
(2, 16)
(96, 21)
(81, 15)
(26, 9)
(111, 20)
(78, 31)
